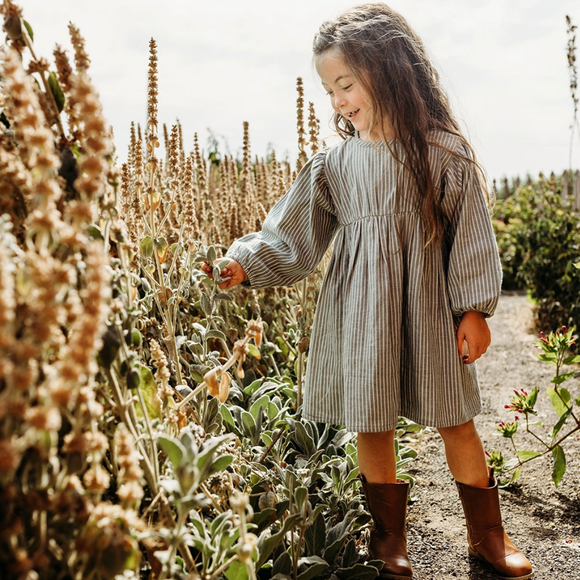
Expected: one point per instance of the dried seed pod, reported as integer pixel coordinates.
(211, 380)
(224, 387)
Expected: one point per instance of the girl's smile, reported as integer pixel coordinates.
(346, 94)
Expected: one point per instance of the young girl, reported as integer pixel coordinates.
(414, 274)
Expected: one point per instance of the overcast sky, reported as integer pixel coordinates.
(222, 62)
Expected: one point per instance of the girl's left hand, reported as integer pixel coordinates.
(474, 330)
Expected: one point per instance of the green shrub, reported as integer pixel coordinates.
(538, 237)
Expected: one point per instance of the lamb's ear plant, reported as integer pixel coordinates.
(549, 439)
(149, 422)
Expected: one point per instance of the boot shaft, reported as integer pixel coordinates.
(481, 507)
(387, 503)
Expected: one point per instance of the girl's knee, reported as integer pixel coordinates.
(464, 430)
(377, 438)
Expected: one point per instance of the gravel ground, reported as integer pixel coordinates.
(542, 520)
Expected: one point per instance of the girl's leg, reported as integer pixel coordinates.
(486, 537)
(465, 454)
(376, 456)
(387, 502)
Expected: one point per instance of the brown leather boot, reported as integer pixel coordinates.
(485, 534)
(387, 503)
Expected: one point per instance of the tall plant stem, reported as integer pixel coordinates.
(47, 90)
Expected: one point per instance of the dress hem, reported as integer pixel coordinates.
(388, 427)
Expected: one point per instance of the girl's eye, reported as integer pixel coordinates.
(329, 93)
(346, 88)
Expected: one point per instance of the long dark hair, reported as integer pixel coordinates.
(390, 62)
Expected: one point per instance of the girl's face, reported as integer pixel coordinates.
(346, 94)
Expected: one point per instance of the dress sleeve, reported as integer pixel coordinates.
(295, 234)
(474, 271)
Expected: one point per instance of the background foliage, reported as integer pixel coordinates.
(538, 234)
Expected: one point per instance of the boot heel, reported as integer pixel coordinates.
(388, 576)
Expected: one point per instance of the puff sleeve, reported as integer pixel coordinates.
(295, 234)
(474, 272)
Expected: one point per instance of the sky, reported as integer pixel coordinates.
(223, 62)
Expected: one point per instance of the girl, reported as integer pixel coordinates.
(414, 274)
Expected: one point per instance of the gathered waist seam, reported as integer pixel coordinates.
(371, 215)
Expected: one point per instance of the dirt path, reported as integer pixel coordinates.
(544, 522)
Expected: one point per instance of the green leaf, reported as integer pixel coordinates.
(146, 247)
(267, 542)
(254, 386)
(349, 556)
(533, 396)
(248, 422)
(221, 463)
(549, 358)
(227, 416)
(206, 305)
(173, 448)
(304, 440)
(337, 536)
(207, 450)
(358, 572)
(56, 91)
(572, 360)
(237, 571)
(282, 565)
(300, 497)
(28, 29)
(215, 334)
(211, 255)
(259, 405)
(223, 296)
(561, 378)
(524, 454)
(315, 536)
(95, 232)
(253, 350)
(316, 567)
(561, 422)
(149, 390)
(161, 247)
(559, 466)
(560, 399)
(511, 464)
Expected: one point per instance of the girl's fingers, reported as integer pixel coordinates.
(475, 352)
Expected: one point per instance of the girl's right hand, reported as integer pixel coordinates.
(233, 271)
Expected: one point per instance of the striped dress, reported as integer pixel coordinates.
(384, 334)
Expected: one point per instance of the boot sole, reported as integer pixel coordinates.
(387, 576)
(473, 553)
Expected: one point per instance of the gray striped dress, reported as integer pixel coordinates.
(384, 335)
